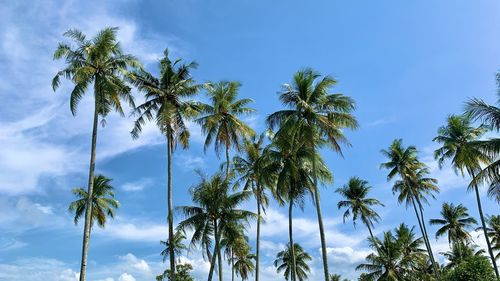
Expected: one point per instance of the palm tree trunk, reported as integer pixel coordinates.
(320, 220)
(232, 266)
(483, 224)
(257, 246)
(427, 246)
(373, 237)
(216, 251)
(219, 259)
(227, 161)
(290, 233)
(169, 215)
(433, 260)
(88, 208)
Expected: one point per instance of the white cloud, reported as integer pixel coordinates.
(137, 185)
(37, 269)
(140, 231)
(126, 277)
(136, 263)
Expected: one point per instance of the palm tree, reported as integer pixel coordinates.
(284, 262)
(220, 121)
(214, 214)
(460, 252)
(177, 245)
(493, 230)
(103, 201)
(288, 160)
(243, 259)
(413, 184)
(166, 104)
(233, 240)
(459, 140)
(311, 107)
(250, 166)
(356, 203)
(455, 222)
(98, 63)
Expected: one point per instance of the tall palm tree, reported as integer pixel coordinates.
(103, 201)
(286, 259)
(215, 212)
(413, 185)
(220, 121)
(459, 139)
(356, 203)
(455, 223)
(289, 161)
(166, 103)
(493, 231)
(310, 106)
(98, 63)
(250, 167)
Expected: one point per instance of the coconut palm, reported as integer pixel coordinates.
(98, 63)
(284, 262)
(460, 252)
(220, 119)
(356, 203)
(242, 259)
(459, 139)
(493, 231)
(455, 223)
(322, 116)
(166, 103)
(250, 166)
(177, 246)
(103, 201)
(216, 212)
(413, 185)
(233, 240)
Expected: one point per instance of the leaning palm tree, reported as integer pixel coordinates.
(412, 186)
(166, 103)
(284, 262)
(98, 63)
(459, 139)
(220, 121)
(356, 203)
(320, 115)
(250, 166)
(102, 199)
(455, 222)
(216, 212)
(493, 230)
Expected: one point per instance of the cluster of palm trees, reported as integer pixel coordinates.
(282, 163)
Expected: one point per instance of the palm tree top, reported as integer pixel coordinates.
(454, 221)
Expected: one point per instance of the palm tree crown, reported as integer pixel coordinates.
(103, 201)
(283, 262)
(455, 222)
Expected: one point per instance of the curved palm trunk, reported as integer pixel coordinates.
(483, 224)
(373, 237)
(433, 260)
(88, 208)
(215, 253)
(169, 195)
(320, 221)
(427, 246)
(290, 233)
(257, 247)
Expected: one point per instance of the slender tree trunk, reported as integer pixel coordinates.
(227, 161)
(290, 233)
(483, 224)
(90, 190)
(215, 253)
(169, 214)
(373, 237)
(219, 259)
(433, 260)
(320, 220)
(232, 266)
(427, 246)
(257, 247)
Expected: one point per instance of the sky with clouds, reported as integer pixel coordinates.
(407, 65)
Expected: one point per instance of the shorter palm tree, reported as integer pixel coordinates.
(459, 252)
(337, 277)
(103, 201)
(177, 245)
(455, 222)
(283, 262)
(493, 232)
(243, 260)
(356, 203)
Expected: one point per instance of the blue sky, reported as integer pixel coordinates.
(407, 65)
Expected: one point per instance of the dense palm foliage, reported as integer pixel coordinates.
(293, 259)
(413, 184)
(317, 114)
(455, 223)
(102, 199)
(460, 144)
(358, 206)
(97, 63)
(284, 164)
(220, 121)
(167, 104)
